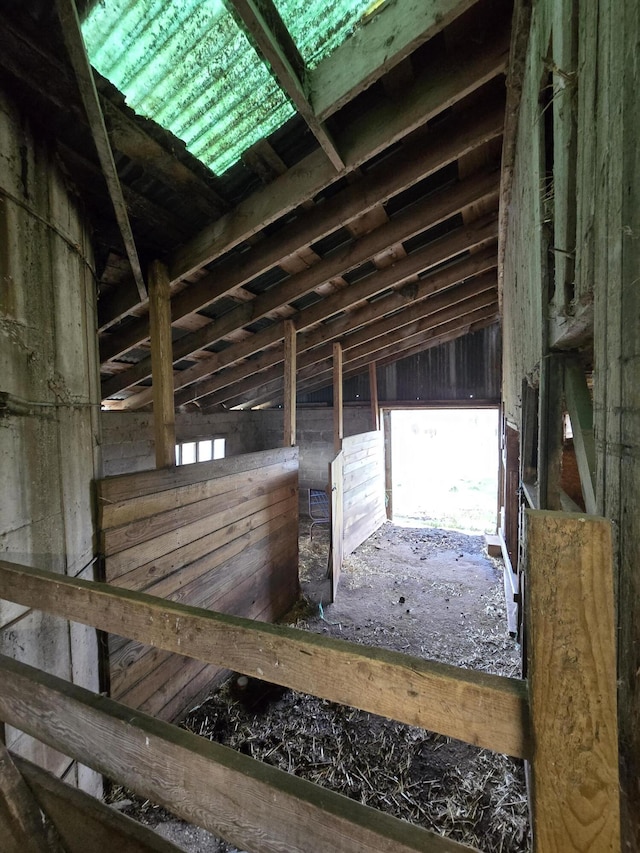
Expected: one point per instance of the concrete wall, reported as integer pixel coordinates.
(48, 428)
(128, 443)
(127, 438)
(314, 434)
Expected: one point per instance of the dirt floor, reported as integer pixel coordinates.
(428, 592)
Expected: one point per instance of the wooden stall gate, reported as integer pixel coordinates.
(222, 535)
(563, 720)
(357, 478)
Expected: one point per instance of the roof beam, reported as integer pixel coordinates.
(416, 160)
(473, 265)
(283, 59)
(440, 86)
(72, 35)
(376, 47)
(419, 217)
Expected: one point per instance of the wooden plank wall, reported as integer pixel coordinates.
(221, 535)
(364, 483)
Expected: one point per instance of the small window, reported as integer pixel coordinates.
(189, 452)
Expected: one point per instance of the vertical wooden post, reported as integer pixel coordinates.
(572, 683)
(338, 417)
(373, 386)
(289, 384)
(162, 365)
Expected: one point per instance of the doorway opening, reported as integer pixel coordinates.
(444, 465)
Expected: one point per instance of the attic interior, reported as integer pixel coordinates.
(240, 221)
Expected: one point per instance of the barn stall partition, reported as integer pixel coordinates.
(220, 535)
(555, 718)
(357, 477)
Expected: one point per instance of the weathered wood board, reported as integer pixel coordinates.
(221, 535)
(364, 488)
(572, 683)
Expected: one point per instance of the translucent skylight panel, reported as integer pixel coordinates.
(187, 65)
(318, 28)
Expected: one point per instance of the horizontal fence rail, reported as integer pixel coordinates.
(485, 710)
(253, 805)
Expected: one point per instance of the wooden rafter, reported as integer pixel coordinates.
(361, 345)
(72, 34)
(420, 217)
(376, 47)
(439, 86)
(283, 61)
(477, 236)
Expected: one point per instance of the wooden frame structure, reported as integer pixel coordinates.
(265, 809)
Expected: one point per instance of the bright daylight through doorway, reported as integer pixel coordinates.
(445, 468)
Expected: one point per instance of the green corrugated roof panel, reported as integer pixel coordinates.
(319, 28)
(186, 65)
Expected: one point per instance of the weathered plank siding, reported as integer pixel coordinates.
(605, 107)
(363, 488)
(221, 535)
(49, 422)
(524, 269)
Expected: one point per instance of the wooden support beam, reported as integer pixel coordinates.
(388, 465)
(283, 66)
(520, 30)
(22, 823)
(489, 710)
(74, 42)
(162, 362)
(249, 803)
(580, 407)
(572, 683)
(373, 393)
(289, 384)
(338, 413)
(376, 47)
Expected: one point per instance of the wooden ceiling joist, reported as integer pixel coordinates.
(356, 362)
(415, 161)
(440, 251)
(435, 283)
(315, 366)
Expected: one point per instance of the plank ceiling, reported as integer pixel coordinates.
(364, 208)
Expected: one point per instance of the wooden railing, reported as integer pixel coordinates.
(261, 808)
